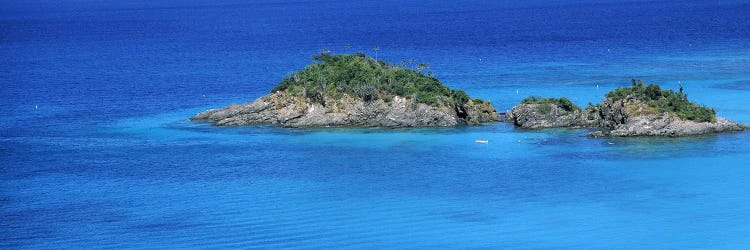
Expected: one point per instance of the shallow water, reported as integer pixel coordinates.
(96, 150)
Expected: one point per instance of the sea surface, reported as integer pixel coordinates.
(96, 150)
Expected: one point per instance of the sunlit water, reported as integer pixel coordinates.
(95, 149)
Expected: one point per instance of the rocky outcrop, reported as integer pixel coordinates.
(547, 115)
(356, 91)
(286, 110)
(626, 117)
(632, 117)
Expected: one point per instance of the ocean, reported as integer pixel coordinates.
(96, 150)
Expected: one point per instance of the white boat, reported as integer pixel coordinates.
(482, 141)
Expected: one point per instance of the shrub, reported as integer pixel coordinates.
(367, 92)
(665, 101)
(366, 78)
(562, 102)
(460, 97)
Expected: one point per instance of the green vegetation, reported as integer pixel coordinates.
(369, 79)
(546, 107)
(665, 101)
(592, 110)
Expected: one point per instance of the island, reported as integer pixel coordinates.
(341, 90)
(640, 110)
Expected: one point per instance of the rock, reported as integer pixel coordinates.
(626, 117)
(356, 91)
(551, 115)
(632, 117)
(548, 115)
(286, 110)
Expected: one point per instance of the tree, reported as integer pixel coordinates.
(361, 76)
(422, 66)
(376, 48)
(324, 51)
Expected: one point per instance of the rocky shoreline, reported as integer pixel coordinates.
(619, 118)
(632, 117)
(359, 91)
(534, 116)
(283, 109)
(356, 91)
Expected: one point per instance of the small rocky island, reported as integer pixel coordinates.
(640, 110)
(357, 91)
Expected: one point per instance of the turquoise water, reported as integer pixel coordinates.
(96, 150)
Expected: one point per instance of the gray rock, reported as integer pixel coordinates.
(548, 116)
(286, 110)
(627, 117)
(632, 117)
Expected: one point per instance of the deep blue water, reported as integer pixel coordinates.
(96, 152)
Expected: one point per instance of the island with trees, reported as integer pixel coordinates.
(355, 90)
(639, 110)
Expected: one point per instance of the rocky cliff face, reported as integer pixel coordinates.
(632, 117)
(286, 110)
(527, 115)
(626, 117)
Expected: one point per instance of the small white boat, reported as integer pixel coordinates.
(482, 141)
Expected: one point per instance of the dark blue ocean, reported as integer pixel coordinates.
(96, 150)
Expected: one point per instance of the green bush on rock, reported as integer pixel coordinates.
(561, 102)
(368, 79)
(665, 101)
